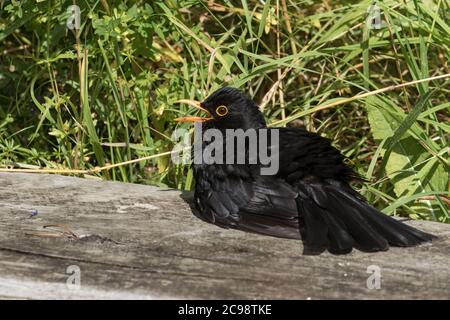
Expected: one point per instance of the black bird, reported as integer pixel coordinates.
(309, 198)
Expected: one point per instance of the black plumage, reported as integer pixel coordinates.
(309, 198)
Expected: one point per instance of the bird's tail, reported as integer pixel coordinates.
(333, 217)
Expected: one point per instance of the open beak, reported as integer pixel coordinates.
(195, 104)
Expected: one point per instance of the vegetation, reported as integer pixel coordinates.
(106, 93)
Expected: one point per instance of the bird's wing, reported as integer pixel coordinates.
(231, 197)
(331, 214)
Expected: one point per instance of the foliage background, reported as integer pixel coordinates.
(106, 94)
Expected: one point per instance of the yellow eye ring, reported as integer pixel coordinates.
(221, 110)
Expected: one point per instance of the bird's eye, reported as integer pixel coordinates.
(222, 111)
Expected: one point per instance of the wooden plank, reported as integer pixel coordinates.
(143, 242)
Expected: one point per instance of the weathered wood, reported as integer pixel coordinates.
(145, 243)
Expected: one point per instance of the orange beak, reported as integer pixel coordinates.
(195, 104)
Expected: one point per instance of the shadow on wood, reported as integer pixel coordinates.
(142, 242)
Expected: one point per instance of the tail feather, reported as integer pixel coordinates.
(342, 221)
(340, 240)
(395, 232)
(314, 228)
(365, 236)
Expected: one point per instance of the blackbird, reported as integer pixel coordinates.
(309, 198)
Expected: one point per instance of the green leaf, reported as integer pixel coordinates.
(410, 167)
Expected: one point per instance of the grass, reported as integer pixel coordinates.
(101, 101)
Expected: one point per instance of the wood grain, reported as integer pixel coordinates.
(143, 242)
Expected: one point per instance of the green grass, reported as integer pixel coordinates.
(106, 94)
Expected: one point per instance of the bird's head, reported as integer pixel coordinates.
(227, 108)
